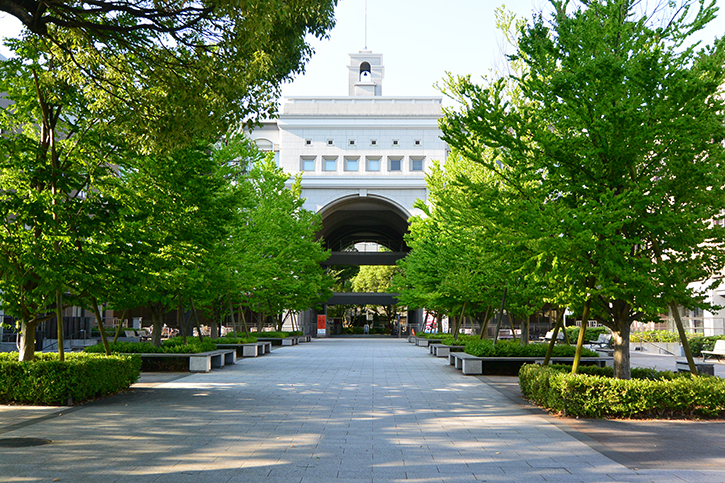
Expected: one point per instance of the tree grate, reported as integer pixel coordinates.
(22, 442)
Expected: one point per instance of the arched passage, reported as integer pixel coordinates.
(359, 219)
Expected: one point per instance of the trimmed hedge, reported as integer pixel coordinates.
(653, 395)
(447, 339)
(513, 348)
(592, 333)
(46, 381)
(171, 346)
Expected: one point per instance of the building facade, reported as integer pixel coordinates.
(363, 157)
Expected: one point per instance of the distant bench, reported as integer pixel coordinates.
(199, 362)
(250, 349)
(443, 350)
(717, 351)
(509, 366)
(423, 342)
(279, 340)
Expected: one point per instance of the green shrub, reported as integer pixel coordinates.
(447, 339)
(171, 346)
(513, 348)
(296, 333)
(701, 343)
(232, 339)
(592, 333)
(654, 336)
(272, 335)
(652, 394)
(47, 381)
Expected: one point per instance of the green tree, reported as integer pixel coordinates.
(169, 74)
(616, 156)
(280, 255)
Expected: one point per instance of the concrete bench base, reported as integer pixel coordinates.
(509, 366)
(702, 367)
(426, 342)
(201, 362)
(252, 349)
(442, 350)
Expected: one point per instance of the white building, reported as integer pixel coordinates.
(363, 157)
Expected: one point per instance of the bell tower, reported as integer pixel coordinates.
(365, 72)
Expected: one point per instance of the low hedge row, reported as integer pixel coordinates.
(170, 346)
(513, 348)
(592, 333)
(47, 381)
(652, 395)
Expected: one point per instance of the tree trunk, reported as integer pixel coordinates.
(196, 319)
(179, 318)
(156, 323)
(231, 314)
(59, 319)
(120, 324)
(620, 344)
(101, 329)
(27, 340)
(683, 338)
(439, 322)
(554, 335)
(500, 315)
(525, 331)
(484, 323)
(244, 320)
(582, 334)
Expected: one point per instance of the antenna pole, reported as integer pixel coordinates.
(366, 24)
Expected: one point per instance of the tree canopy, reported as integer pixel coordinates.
(612, 155)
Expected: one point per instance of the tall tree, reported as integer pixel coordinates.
(616, 153)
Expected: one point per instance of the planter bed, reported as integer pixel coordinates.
(510, 366)
(443, 350)
(250, 349)
(279, 340)
(197, 362)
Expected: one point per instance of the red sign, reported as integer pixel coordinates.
(321, 322)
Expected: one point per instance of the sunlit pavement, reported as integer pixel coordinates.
(343, 410)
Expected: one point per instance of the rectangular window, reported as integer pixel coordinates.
(373, 142)
(307, 163)
(395, 142)
(330, 163)
(351, 163)
(351, 142)
(308, 142)
(330, 142)
(373, 163)
(417, 142)
(395, 163)
(416, 163)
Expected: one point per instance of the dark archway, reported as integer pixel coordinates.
(358, 219)
(364, 219)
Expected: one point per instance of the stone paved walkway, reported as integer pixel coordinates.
(328, 411)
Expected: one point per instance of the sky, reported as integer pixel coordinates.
(420, 41)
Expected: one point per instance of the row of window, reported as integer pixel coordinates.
(373, 142)
(355, 163)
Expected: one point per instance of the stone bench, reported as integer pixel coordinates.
(250, 349)
(423, 342)
(199, 362)
(443, 350)
(717, 351)
(702, 367)
(286, 341)
(509, 366)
